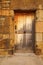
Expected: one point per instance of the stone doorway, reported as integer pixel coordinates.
(24, 31)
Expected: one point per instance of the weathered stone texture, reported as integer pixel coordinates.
(39, 26)
(25, 4)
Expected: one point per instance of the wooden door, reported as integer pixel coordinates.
(23, 30)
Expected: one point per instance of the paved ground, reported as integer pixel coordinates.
(1, 59)
(22, 59)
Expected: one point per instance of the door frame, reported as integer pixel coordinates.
(33, 26)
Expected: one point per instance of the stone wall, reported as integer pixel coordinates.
(25, 4)
(39, 28)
